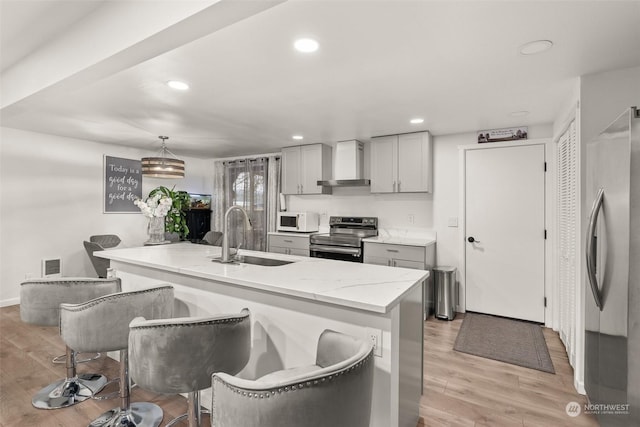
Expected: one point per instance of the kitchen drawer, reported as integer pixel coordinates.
(293, 242)
(409, 253)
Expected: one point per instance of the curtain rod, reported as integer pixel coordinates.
(248, 160)
(253, 156)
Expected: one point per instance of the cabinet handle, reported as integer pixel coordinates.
(392, 250)
(394, 186)
(394, 263)
(288, 241)
(389, 262)
(398, 186)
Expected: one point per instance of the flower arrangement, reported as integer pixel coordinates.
(176, 218)
(156, 206)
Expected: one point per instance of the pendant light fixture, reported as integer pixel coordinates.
(163, 166)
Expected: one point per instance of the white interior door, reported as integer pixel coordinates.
(504, 223)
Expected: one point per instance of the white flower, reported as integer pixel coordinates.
(156, 206)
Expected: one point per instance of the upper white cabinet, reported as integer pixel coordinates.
(401, 163)
(303, 166)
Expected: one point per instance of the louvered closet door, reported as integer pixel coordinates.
(567, 237)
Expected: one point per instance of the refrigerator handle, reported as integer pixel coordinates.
(591, 248)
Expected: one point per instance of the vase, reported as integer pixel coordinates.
(156, 231)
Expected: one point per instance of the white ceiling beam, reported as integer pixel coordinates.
(115, 37)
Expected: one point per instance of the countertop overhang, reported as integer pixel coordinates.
(366, 287)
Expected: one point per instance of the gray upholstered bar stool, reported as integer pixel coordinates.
(40, 301)
(102, 324)
(179, 355)
(335, 391)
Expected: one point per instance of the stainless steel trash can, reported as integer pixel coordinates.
(445, 289)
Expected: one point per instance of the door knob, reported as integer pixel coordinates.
(471, 239)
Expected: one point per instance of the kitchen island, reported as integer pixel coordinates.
(292, 304)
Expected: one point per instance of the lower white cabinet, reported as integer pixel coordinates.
(418, 257)
(288, 244)
(395, 255)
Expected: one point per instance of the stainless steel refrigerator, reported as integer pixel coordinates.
(612, 299)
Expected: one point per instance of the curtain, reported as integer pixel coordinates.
(254, 185)
(217, 199)
(273, 202)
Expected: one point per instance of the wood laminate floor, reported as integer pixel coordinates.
(465, 390)
(460, 389)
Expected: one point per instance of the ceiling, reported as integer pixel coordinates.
(380, 63)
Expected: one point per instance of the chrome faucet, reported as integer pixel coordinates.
(225, 231)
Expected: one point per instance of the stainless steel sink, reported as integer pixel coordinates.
(255, 260)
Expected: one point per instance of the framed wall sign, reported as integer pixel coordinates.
(122, 184)
(507, 134)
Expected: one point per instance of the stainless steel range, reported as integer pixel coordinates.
(344, 240)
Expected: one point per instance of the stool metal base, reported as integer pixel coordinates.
(140, 414)
(68, 391)
(61, 360)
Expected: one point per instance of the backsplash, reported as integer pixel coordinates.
(394, 211)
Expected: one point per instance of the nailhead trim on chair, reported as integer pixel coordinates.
(208, 322)
(85, 306)
(61, 282)
(310, 383)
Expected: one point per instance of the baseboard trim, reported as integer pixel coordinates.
(10, 301)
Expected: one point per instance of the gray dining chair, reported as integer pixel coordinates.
(334, 391)
(40, 301)
(213, 238)
(179, 355)
(100, 243)
(102, 324)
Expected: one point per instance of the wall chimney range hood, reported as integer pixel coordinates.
(348, 166)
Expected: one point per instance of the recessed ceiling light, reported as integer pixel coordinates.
(177, 84)
(537, 46)
(519, 113)
(298, 137)
(416, 121)
(306, 45)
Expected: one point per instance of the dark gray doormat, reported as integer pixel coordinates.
(512, 341)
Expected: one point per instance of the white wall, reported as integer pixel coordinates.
(432, 211)
(51, 200)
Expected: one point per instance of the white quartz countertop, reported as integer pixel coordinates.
(401, 240)
(361, 286)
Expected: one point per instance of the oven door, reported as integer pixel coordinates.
(342, 253)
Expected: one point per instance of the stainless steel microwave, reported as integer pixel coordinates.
(299, 222)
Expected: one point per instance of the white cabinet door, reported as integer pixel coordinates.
(291, 170)
(377, 260)
(414, 162)
(279, 250)
(303, 166)
(384, 164)
(404, 263)
(299, 252)
(310, 169)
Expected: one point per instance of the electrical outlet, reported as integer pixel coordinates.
(375, 338)
(411, 218)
